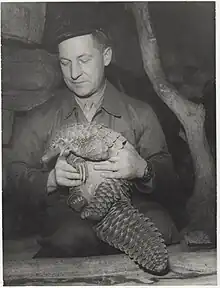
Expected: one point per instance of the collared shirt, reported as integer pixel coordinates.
(134, 119)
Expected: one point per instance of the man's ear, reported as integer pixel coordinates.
(107, 54)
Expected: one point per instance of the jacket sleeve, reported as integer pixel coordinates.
(152, 146)
(26, 178)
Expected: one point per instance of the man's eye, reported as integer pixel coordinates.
(64, 62)
(85, 59)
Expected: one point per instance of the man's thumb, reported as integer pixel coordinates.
(64, 154)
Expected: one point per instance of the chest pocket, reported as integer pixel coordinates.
(123, 126)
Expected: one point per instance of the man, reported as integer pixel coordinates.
(84, 52)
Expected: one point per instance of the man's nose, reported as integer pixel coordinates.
(76, 70)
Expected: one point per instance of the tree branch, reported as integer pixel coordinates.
(190, 115)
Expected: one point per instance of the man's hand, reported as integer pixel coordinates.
(63, 175)
(128, 164)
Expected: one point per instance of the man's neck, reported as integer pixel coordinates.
(94, 98)
(91, 104)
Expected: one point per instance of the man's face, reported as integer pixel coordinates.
(82, 63)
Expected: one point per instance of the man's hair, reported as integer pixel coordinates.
(102, 39)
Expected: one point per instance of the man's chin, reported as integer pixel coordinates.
(80, 92)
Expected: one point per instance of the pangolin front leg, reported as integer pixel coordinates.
(76, 200)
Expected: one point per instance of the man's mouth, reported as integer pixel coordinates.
(78, 83)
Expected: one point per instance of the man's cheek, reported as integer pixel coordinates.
(93, 70)
(66, 72)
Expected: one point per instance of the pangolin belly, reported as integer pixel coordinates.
(107, 202)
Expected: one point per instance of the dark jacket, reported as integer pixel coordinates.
(133, 118)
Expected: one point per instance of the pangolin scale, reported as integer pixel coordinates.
(107, 202)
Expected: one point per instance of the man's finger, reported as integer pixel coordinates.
(69, 175)
(105, 167)
(69, 183)
(62, 156)
(63, 165)
(76, 183)
(114, 159)
(115, 175)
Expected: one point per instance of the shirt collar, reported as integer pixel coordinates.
(110, 102)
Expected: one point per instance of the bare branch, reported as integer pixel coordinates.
(192, 116)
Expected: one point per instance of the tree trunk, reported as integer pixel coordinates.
(201, 206)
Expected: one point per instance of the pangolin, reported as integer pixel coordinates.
(107, 202)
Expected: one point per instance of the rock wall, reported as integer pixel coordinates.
(23, 21)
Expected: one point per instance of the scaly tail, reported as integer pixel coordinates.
(126, 229)
(122, 226)
(107, 193)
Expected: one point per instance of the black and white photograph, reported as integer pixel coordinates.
(109, 143)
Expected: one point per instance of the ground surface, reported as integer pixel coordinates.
(186, 268)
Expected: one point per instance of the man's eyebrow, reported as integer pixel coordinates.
(63, 58)
(85, 54)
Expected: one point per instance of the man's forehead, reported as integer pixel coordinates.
(84, 42)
